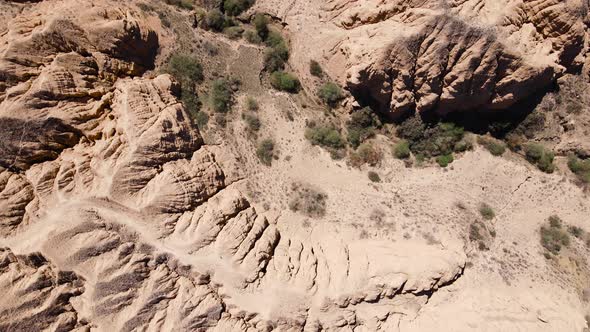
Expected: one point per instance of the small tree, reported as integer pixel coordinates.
(330, 94)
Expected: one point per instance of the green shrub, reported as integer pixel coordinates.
(252, 104)
(402, 150)
(486, 211)
(325, 136)
(494, 146)
(252, 37)
(444, 160)
(275, 39)
(553, 238)
(541, 157)
(362, 126)
(184, 4)
(435, 140)
(233, 32)
(252, 122)
(185, 68)
(215, 20)
(261, 25)
(276, 57)
(580, 167)
(188, 71)
(283, 81)
(374, 177)
(221, 96)
(315, 69)
(236, 7)
(266, 151)
(366, 154)
(330, 94)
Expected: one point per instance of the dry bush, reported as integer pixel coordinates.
(308, 200)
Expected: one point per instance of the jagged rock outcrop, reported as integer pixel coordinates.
(37, 295)
(438, 55)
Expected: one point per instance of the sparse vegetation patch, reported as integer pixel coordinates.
(366, 154)
(553, 236)
(221, 96)
(325, 136)
(308, 200)
(362, 126)
(330, 94)
(494, 146)
(402, 150)
(540, 156)
(486, 211)
(580, 167)
(266, 151)
(315, 69)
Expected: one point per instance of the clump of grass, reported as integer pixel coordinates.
(494, 146)
(221, 96)
(402, 150)
(362, 126)
(445, 159)
(374, 177)
(538, 155)
(553, 237)
(330, 94)
(486, 211)
(283, 81)
(252, 122)
(474, 233)
(576, 231)
(315, 69)
(325, 136)
(266, 151)
(366, 154)
(580, 167)
(252, 104)
(308, 200)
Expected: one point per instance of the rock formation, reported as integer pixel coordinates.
(438, 55)
(117, 215)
